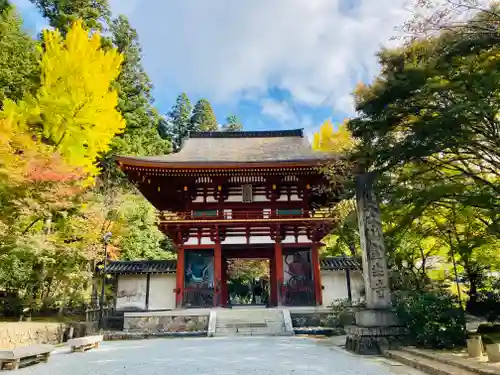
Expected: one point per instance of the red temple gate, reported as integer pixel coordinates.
(245, 195)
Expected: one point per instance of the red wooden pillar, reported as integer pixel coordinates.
(273, 296)
(224, 288)
(218, 273)
(318, 289)
(278, 269)
(179, 287)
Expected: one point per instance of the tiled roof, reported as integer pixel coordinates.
(338, 263)
(141, 266)
(169, 266)
(238, 147)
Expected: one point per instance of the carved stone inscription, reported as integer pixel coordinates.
(372, 244)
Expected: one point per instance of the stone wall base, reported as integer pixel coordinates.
(167, 323)
(374, 340)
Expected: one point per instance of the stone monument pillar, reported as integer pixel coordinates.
(376, 326)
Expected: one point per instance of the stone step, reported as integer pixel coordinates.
(250, 317)
(481, 368)
(250, 322)
(429, 366)
(246, 332)
(236, 321)
(241, 325)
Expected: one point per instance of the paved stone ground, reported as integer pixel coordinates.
(215, 356)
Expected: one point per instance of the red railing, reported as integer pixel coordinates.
(262, 214)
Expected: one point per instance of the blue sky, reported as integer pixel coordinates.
(275, 64)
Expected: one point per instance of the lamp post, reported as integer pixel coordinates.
(105, 239)
(455, 270)
(459, 293)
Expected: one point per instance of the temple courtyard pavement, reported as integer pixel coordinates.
(216, 356)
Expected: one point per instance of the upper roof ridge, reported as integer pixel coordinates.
(249, 134)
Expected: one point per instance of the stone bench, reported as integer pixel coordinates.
(82, 344)
(12, 359)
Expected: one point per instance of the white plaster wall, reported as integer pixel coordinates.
(335, 286)
(131, 292)
(161, 292)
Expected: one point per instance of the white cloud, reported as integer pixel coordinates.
(224, 49)
(281, 111)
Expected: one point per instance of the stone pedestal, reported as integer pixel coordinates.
(376, 318)
(376, 327)
(373, 340)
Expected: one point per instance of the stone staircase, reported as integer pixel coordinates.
(253, 322)
(439, 363)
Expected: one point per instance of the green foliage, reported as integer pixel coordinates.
(52, 220)
(61, 14)
(429, 126)
(203, 118)
(432, 318)
(141, 135)
(341, 315)
(178, 125)
(140, 238)
(233, 124)
(19, 68)
(487, 302)
(246, 270)
(488, 328)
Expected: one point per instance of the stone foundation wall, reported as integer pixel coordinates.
(16, 334)
(301, 320)
(160, 324)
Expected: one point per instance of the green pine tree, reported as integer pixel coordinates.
(141, 136)
(203, 118)
(61, 14)
(4, 5)
(233, 124)
(19, 68)
(179, 125)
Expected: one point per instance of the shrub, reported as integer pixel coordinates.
(432, 318)
(342, 314)
(488, 328)
(487, 302)
(487, 340)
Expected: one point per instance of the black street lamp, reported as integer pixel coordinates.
(455, 270)
(459, 293)
(105, 239)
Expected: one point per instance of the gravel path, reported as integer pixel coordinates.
(214, 356)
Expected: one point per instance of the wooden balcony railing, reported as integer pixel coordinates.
(262, 214)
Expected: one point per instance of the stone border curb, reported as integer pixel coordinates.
(318, 331)
(112, 336)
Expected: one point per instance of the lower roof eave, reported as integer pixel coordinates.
(127, 161)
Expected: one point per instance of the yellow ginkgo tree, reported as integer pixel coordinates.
(77, 103)
(330, 140)
(74, 111)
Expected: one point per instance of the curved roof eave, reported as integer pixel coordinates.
(151, 163)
